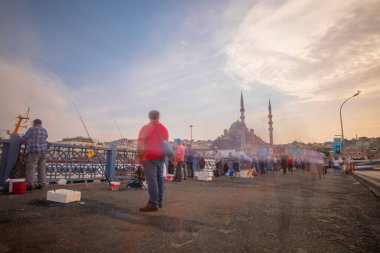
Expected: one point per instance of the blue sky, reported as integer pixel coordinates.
(190, 60)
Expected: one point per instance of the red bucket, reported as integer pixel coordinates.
(19, 188)
(169, 177)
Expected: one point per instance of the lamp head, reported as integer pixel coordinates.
(357, 93)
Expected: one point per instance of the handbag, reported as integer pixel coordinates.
(166, 147)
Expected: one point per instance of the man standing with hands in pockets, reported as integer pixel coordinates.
(151, 155)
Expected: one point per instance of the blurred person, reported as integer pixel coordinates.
(336, 164)
(36, 147)
(290, 164)
(284, 163)
(297, 164)
(268, 163)
(325, 166)
(303, 165)
(262, 165)
(218, 159)
(226, 167)
(179, 158)
(190, 161)
(184, 165)
(308, 165)
(275, 163)
(255, 163)
(202, 162)
(152, 157)
(236, 164)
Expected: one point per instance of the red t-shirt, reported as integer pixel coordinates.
(151, 139)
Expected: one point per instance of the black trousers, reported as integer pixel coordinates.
(190, 170)
(178, 171)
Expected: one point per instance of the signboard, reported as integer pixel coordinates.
(337, 146)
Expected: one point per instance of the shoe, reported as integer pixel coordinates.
(40, 187)
(149, 208)
(160, 205)
(29, 188)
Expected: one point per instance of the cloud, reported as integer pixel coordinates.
(305, 49)
(46, 95)
(288, 51)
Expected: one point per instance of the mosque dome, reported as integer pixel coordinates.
(237, 125)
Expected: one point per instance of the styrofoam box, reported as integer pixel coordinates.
(196, 173)
(204, 177)
(63, 196)
(206, 173)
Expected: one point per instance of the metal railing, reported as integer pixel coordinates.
(76, 163)
(126, 163)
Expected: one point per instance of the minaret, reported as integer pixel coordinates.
(242, 117)
(270, 122)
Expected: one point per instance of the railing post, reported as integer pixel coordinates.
(111, 164)
(9, 158)
(3, 164)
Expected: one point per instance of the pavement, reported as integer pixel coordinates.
(370, 178)
(270, 213)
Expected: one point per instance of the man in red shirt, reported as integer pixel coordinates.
(152, 157)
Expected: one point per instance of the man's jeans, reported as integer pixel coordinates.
(153, 171)
(34, 161)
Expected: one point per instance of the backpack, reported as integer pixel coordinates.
(135, 184)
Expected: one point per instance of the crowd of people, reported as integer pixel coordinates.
(186, 160)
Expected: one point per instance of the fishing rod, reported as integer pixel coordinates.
(84, 125)
(117, 125)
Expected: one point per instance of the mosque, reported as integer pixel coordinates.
(240, 138)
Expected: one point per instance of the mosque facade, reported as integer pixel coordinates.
(239, 137)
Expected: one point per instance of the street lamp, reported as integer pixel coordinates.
(340, 112)
(191, 134)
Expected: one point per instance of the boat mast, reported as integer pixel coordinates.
(19, 121)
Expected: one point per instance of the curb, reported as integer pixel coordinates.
(371, 184)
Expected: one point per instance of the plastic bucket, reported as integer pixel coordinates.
(19, 188)
(115, 186)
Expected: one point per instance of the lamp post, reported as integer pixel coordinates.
(191, 134)
(341, 123)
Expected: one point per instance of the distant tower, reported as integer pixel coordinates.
(242, 117)
(270, 122)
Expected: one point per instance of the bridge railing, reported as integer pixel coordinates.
(78, 163)
(72, 162)
(75, 163)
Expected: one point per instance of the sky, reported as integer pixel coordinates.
(117, 60)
